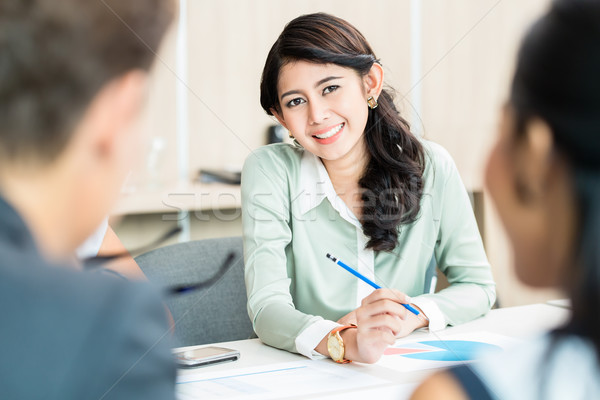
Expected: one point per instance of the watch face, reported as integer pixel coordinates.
(335, 348)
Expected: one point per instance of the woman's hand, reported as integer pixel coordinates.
(381, 319)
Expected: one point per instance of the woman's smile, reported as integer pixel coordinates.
(330, 134)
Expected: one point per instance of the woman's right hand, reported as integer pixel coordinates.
(380, 318)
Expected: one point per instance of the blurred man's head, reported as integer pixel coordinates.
(72, 83)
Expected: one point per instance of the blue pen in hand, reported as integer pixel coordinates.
(366, 280)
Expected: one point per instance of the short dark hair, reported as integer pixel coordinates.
(56, 55)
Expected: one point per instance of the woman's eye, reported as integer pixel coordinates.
(295, 102)
(330, 89)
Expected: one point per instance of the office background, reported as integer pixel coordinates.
(449, 61)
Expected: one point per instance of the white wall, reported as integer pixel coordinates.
(468, 52)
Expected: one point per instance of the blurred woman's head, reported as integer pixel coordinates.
(544, 173)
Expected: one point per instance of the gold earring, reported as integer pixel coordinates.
(290, 135)
(372, 103)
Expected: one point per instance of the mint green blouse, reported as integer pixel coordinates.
(292, 218)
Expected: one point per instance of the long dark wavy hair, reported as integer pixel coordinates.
(558, 79)
(392, 182)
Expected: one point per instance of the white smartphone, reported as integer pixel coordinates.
(205, 356)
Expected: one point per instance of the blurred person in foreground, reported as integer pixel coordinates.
(544, 177)
(73, 78)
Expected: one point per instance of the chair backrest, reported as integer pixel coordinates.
(435, 280)
(431, 277)
(214, 314)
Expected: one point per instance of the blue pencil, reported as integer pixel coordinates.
(366, 280)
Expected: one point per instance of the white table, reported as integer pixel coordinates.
(515, 322)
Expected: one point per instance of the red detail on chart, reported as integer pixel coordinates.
(390, 351)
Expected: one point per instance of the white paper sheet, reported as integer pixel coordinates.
(395, 392)
(298, 378)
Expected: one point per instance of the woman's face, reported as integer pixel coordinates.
(532, 191)
(325, 107)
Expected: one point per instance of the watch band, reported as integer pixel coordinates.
(336, 333)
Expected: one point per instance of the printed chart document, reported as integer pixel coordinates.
(442, 351)
(298, 378)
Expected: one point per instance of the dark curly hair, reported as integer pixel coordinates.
(393, 178)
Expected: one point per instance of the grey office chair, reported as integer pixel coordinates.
(213, 314)
(431, 277)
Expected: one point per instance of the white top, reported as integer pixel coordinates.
(543, 369)
(91, 246)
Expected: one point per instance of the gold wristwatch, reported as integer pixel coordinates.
(335, 344)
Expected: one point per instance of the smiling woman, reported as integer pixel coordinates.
(323, 111)
(359, 184)
(331, 58)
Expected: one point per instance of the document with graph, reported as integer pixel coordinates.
(440, 350)
(298, 378)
